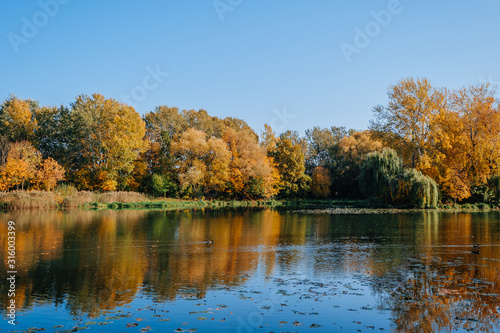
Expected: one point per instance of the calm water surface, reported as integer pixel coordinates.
(266, 271)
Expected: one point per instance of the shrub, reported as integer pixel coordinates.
(161, 185)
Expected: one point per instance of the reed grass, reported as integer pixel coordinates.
(67, 196)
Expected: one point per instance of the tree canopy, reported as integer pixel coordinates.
(427, 143)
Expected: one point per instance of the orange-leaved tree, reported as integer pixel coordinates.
(320, 182)
(251, 172)
(464, 149)
(26, 168)
(47, 175)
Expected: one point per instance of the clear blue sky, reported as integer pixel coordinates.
(262, 58)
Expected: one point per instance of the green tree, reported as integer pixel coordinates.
(383, 177)
(494, 185)
(323, 149)
(61, 135)
(352, 151)
(378, 172)
(162, 126)
(161, 185)
(416, 189)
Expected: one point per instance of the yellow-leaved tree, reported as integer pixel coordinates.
(17, 119)
(451, 136)
(111, 139)
(22, 163)
(203, 165)
(405, 124)
(251, 172)
(464, 147)
(289, 159)
(25, 168)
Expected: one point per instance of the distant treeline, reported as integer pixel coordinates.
(427, 145)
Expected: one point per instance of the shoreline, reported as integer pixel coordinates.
(27, 200)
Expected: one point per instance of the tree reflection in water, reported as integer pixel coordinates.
(420, 266)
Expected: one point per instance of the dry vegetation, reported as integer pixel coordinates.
(64, 196)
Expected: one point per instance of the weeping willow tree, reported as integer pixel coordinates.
(494, 185)
(416, 189)
(379, 170)
(383, 177)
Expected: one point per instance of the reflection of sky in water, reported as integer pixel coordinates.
(266, 271)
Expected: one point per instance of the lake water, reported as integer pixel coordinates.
(266, 271)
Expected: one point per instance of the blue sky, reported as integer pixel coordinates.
(277, 62)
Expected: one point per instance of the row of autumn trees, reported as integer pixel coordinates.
(427, 142)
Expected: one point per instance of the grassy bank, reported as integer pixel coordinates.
(68, 197)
